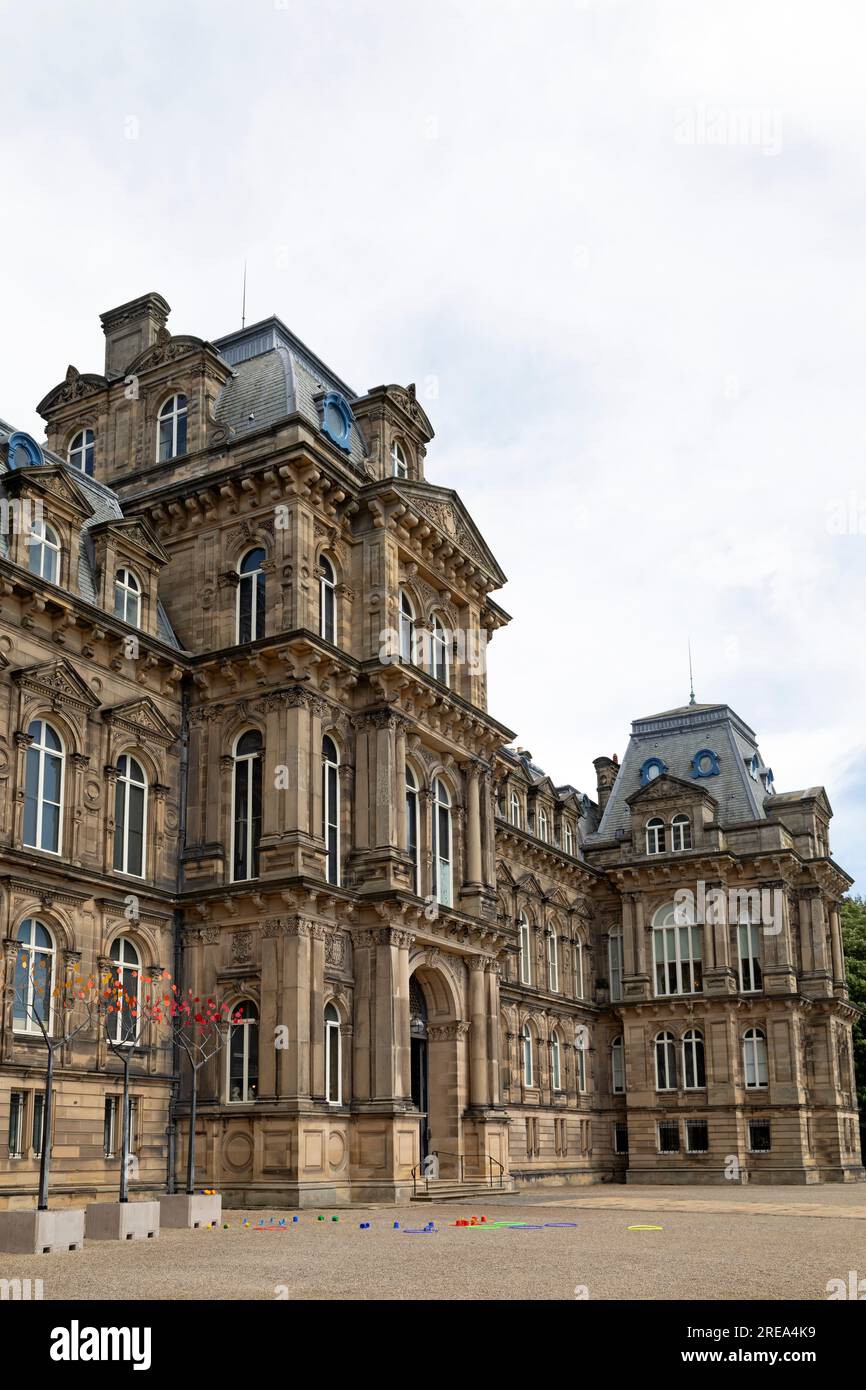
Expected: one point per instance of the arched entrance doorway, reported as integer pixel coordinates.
(419, 1061)
(437, 1042)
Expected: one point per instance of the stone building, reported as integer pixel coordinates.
(244, 735)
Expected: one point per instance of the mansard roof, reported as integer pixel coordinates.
(671, 741)
(104, 508)
(275, 375)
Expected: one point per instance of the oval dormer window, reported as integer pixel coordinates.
(705, 763)
(23, 451)
(337, 419)
(652, 768)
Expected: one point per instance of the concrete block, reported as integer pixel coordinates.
(41, 1232)
(122, 1221)
(182, 1210)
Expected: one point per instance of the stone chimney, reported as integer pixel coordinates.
(605, 773)
(131, 328)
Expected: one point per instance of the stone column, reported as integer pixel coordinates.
(479, 1084)
(296, 1007)
(317, 1009)
(836, 952)
(473, 827)
(493, 972)
(271, 1056)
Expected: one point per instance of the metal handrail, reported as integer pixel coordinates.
(500, 1166)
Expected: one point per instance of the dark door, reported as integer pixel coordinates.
(418, 1040)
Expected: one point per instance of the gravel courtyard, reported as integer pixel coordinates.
(776, 1243)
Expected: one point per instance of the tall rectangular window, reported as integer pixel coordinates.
(749, 941)
(615, 954)
(38, 1122)
(110, 1126)
(620, 1138)
(17, 1104)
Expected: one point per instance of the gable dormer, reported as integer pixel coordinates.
(396, 429)
(669, 815)
(127, 560)
(50, 509)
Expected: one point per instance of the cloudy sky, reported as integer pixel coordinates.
(618, 246)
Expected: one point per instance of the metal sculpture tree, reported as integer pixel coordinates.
(124, 1012)
(201, 1028)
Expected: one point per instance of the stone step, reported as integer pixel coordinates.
(444, 1190)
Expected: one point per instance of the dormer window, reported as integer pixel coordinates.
(81, 451)
(337, 420)
(439, 663)
(514, 810)
(768, 781)
(655, 836)
(399, 466)
(251, 596)
(652, 768)
(681, 833)
(567, 837)
(754, 767)
(541, 824)
(127, 598)
(407, 628)
(705, 763)
(44, 547)
(171, 428)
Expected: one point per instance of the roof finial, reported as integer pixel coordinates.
(244, 302)
(691, 677)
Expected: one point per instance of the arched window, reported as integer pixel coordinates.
(327, 600)
(755, 1059)
(243, 1053)
(655, 836)
(525, 951)
(399, 467)
(681, 833)
(130, 817)
(43, 544)
(171, 429)
(247, 806)
(552, 961)
(440, 664)
(407, 628)
(43, 788)
(677, 954)
(251, 596)
(514, 810)
(34, 978)
(555, 1062)
(615, 963)
(81, 450)
(541, 824)
(666, 1062)
(694, 1069)
(412, 839)
(527, 1055)
(577, 957)
(567, 837)
(749, 956)
(126, 987)
(617, 1066)
(127, 598)
(331, 808)
(580, 1054)
(442, 888)
(333, 1057)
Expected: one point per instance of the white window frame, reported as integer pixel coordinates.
(681, 834)
(333, 1038)
(128, 781)
(694, 1046)
(749, 933)
(578, 969)
(250, 758)
(128, 586)
(172, 411)
(29, 1024)
(525, 939)
(82, 443)
(251, 578)
(616, 963)
(528, 1067)
(555, 1062)
(666, 1041)
(331, 814)
(567, 837)
(248, 1025)
(443, 872)
(129, 958)
(42, 543)
(655, 835)
(413, 799)
(399, 462)
(44, 752)
(408, 619)
(755, 1060)
(581, 1067)
(514, 810)
(542, 829)
(667, 933)
(552, 961)
(327, 600)
(440, 655)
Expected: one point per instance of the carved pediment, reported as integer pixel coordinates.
(528, 883)
(167, 348)
(667, 788)
(57, 681)
(447, 513)
(74, 387)
(130, 533)
(53, 481)
(143, 719)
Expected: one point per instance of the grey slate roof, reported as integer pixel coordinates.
(276, 375)
(106, 507)
(675, 736)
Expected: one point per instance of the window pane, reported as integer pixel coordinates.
(135, 853)
(119, 822)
